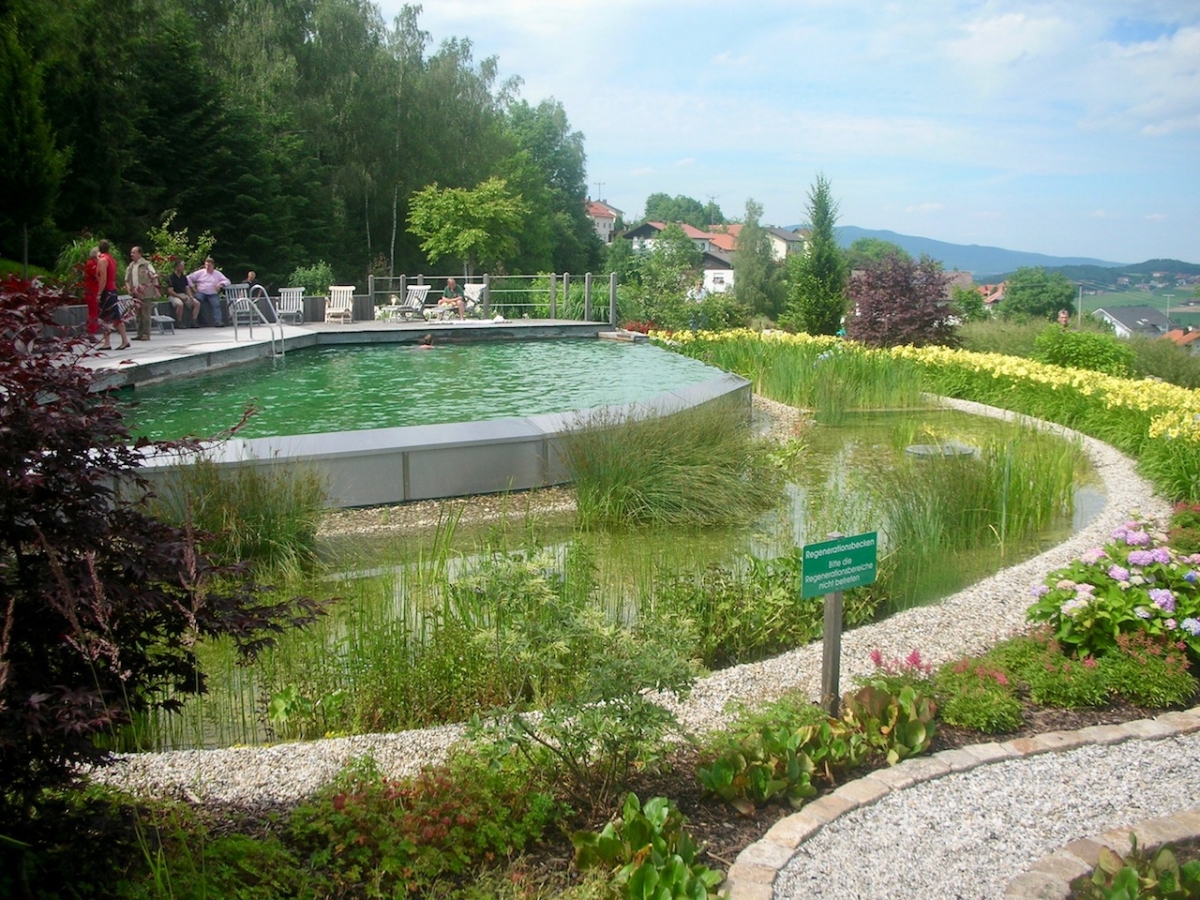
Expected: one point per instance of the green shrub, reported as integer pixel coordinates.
(1150, 671)
(649, 852)
(378, 837)
(698, 467)
(1004, 336)
(1141, 876)
(1058, 680)
(1184, 528)
(975, 694)
(1128, 586)
(745, 613)
(1095, 351)
(1159, 358)
(315, 279)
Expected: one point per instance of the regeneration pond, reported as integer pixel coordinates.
(856, 476)
(347, 388)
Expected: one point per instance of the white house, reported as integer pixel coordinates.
(604, 219)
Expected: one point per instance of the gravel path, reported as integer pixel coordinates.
(960, 836)
(968, 834)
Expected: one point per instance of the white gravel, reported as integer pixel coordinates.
(969, 621)
(966, 835)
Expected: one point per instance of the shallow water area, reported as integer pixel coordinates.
(348, 388)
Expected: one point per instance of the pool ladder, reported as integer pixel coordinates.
(247, 308)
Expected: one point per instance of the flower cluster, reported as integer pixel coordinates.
(1133, 584)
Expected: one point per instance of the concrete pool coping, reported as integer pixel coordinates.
(393, 465)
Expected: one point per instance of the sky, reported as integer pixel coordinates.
(1068, 128)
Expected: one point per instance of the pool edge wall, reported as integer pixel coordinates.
(426, 462)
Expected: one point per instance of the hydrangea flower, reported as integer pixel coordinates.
(1163, 599)
(1161, 555)
(1093, 556)
(1116, 573)
(1141, 558)
(1137, 538)
(1073, 606)
(1066, 584)
(1142, 613)
(1040, 590)
(1086, 589)
(1190, 576)
(1191, 626)
(1170, 625)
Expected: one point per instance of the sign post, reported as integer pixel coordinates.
(831, 567)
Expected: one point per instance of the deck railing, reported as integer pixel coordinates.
(580, 298)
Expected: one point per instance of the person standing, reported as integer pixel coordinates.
(179, 292)
(141, 281)
(207, 283)
(110, 303)
(91, 293)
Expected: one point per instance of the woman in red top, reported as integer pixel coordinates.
(91, 292)
(110, 307)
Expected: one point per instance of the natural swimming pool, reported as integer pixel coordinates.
(348, 388)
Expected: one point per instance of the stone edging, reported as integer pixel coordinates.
(753, 874)
(1052, 876)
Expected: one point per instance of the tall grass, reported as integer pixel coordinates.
(1012, 487)
(699, 467)
(266, 516)
(828, 375)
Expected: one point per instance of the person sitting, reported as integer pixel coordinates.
(179, 292)
(453, 296)
(207, 284)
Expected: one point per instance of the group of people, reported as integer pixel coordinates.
(188, 292)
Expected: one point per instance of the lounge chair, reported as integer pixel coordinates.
(414, 302)
(339, 304)
(472, 300)
(291, 305)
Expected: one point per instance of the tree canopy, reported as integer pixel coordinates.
(817, 299)
(687, 210)
(897, 301)
(1030, 291)
(291, 130)
(475, 226)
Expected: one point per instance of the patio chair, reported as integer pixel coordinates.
(339, 304)
(291, 305)
(241, 305)
(414, 302)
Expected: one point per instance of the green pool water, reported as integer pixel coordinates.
(347, 388)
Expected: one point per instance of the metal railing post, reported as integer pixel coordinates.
(553, 298)
(371, 292)
(485, 300)
(566, 292)
(612, 299)
(587, 297)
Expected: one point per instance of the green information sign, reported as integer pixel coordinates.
(838, 564)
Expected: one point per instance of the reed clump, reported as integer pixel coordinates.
(252, 514)
(696, 468)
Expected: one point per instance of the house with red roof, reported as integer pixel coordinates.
(604, 219)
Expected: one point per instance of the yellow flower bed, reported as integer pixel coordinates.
(1174, 411)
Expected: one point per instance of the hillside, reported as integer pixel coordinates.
(985, 263)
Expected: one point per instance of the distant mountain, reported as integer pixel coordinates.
(979, 261)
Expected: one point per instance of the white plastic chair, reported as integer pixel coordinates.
(291, 305)
(339, 304)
